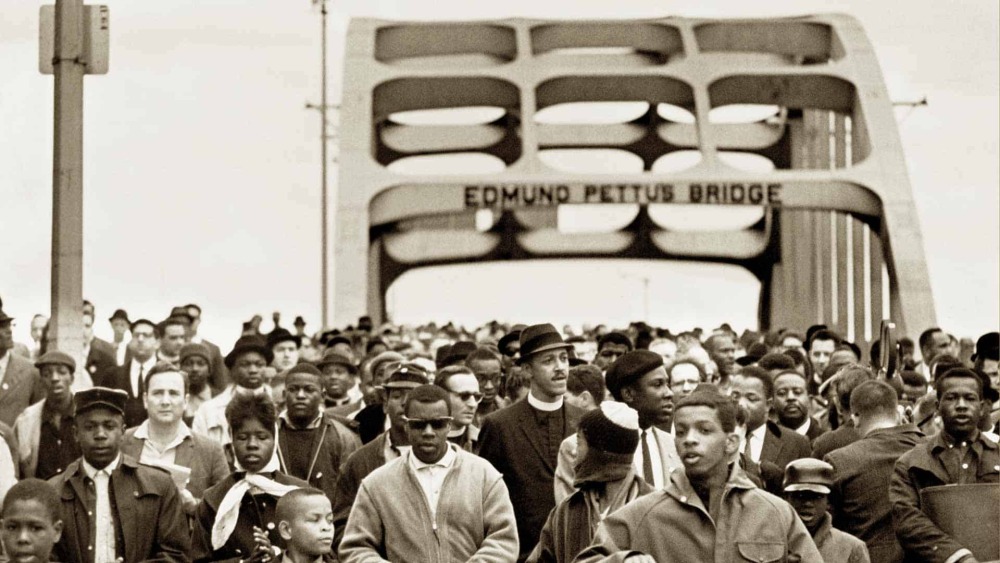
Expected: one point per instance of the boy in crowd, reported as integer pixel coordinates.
(30, 522)
(305, 523)
(807, 486)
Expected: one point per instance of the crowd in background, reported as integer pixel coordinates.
(514, 443)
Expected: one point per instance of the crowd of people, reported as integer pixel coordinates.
(504, 443)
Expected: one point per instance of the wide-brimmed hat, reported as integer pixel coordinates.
(808, 474)
(513, 336)
(332, 357)
(536, 339)
(756, 351)
(120, 314)
(280, 335)
(988, 347)
(249, 343)
(4, 317)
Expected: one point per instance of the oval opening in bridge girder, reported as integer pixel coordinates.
(595, 218)
(742, 113)
(676, 161)
(677, 114)
(591, 113)
(694, 218)
(472, 115)
(591, 161)
(751, 162)
(447, 164)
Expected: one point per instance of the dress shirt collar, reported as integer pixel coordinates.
(91, 471)
(313, 424)
(183, 433)
(446, 460)
(146, 366)
(944, 441)
(805, 426)
(759, 433)
(543, 406)
(392, 451)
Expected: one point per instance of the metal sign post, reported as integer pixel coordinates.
(73, 41)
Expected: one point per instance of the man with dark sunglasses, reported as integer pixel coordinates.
(435, 490)
(464, 397)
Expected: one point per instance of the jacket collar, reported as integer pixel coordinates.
(680, 487)
(824, 532)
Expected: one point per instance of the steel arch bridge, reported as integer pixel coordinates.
(839, 229)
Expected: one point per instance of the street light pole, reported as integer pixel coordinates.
(324, 263)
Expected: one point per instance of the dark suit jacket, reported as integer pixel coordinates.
(859, 498)
(118, 378)
(512, 440)
(149, 523)
(835, 439)
(783, 445)
(101, 358)
(21, 386)
(363, 461)
(202, 454)
(815, 430)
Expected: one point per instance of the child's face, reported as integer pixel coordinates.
(311, 530)
(28, 531)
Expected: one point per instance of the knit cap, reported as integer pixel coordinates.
(613, 427)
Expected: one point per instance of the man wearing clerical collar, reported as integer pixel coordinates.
(114, 508)
(522, 441)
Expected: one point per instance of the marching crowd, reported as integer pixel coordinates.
(499, 444)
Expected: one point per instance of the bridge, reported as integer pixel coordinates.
(837, 240)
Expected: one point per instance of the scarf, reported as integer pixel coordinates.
(229, 509)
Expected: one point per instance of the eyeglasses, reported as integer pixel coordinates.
(466, 395)
(417, 424)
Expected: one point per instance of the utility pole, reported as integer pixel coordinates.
(73, 42)
(324, 198)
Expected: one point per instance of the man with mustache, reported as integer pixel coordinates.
(791, 404)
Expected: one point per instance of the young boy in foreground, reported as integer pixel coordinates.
(305, 522)
(30, 524)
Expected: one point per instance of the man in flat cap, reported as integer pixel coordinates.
(387, 447)
(45, 439)
(807, 485)
(638, 379)
(246, 363)
(522, 441)
(114, 509)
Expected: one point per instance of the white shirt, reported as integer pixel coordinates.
(805, 426)
(4, 361)
(134, 372)
(757, 442)
(654, 456)
(120, 349)
(543, 406)
(104, 528)
(151, 455)
(391, 451)
(431, 477)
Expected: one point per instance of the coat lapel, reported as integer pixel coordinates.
(772, 443)
(529, 427)
(125, 505)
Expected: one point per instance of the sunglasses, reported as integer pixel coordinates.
(466, 395)
(421, 423)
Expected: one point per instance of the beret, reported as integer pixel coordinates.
(304, 367)
(630, 367)
(195, 349)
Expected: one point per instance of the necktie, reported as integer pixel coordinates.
(104, 532)
(137, 388)
(746, 449)
(647, 461)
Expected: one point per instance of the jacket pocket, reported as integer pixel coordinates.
(761, 552)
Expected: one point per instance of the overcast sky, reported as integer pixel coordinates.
(201, 179)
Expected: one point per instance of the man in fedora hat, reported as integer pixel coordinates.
(285, 347)
(120, 325)
(114, 508)
(522, 441)
(20, 384)
(246, 363)
(342, 391)
(806, 486)
(387, 447)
